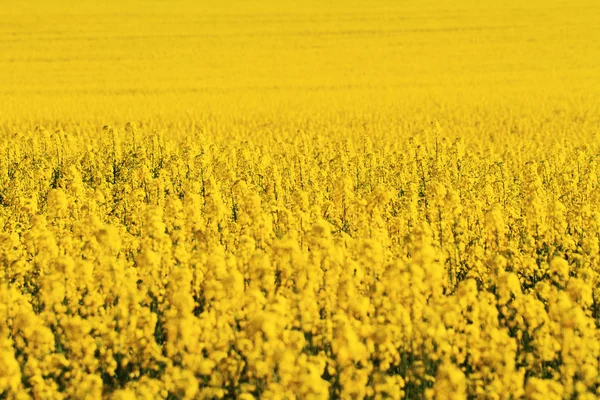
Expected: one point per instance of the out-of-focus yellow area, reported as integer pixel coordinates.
(115, 61)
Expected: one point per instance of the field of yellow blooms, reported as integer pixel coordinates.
(316, 201)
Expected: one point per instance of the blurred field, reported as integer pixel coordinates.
(112, 62)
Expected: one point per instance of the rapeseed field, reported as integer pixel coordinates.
(311, 200)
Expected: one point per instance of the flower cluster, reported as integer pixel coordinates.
(181, 266)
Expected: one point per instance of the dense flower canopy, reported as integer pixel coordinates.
(152, 265)
(299, 199)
